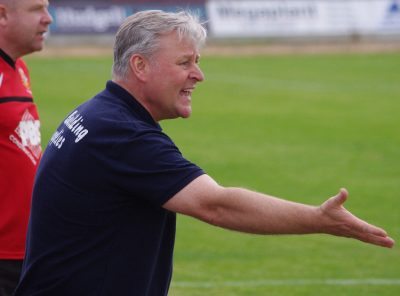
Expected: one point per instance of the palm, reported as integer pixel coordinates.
(340, 222)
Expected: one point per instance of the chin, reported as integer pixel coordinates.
(185, 111)
(186, 114)
(39, 48)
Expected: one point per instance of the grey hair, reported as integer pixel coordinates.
(140, 34)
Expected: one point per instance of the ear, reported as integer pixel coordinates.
(139, 66)
(3, 14)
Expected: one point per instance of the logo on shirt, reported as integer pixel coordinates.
(27, 136)
(25, 80)
(74, 123)
(1, 78)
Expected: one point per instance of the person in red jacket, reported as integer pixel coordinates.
(23, 24)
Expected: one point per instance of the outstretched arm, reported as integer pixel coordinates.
(248, 211)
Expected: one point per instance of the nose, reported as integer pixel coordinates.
(47, 18)
(197, 74)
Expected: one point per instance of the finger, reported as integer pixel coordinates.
(343, 191)
(376, 230)
(386, 241)
(363, 227)
(373, 235)
(340, 198)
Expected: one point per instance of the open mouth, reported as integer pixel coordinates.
(187, 92)
(43, 34)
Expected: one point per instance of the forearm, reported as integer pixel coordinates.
(249, 211)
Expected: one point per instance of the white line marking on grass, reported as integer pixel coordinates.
(292, 282)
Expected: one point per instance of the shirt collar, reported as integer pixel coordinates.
(7, 58)
(121, 93)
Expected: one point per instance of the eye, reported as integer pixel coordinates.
(184, 63)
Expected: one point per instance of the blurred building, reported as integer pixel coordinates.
(266, 20)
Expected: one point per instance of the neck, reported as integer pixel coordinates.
(136, 93)
(13, 54)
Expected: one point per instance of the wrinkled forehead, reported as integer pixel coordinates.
(180, 39)
(175, 41)
(37, 2)
(15, 3)
(12, 4)
(7, 2)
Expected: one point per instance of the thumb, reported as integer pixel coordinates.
(340, 198)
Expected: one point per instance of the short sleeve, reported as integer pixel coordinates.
(150, 167)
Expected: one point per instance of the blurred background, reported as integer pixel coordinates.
(283, 25)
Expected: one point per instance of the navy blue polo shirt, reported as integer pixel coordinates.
(97, 225)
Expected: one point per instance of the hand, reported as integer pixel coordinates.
(340, 222)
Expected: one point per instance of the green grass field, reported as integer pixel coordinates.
(298, 127)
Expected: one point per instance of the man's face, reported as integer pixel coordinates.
(173, 74)
(27, 21)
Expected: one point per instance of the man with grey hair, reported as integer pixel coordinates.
(111, 182)
(23, 24)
